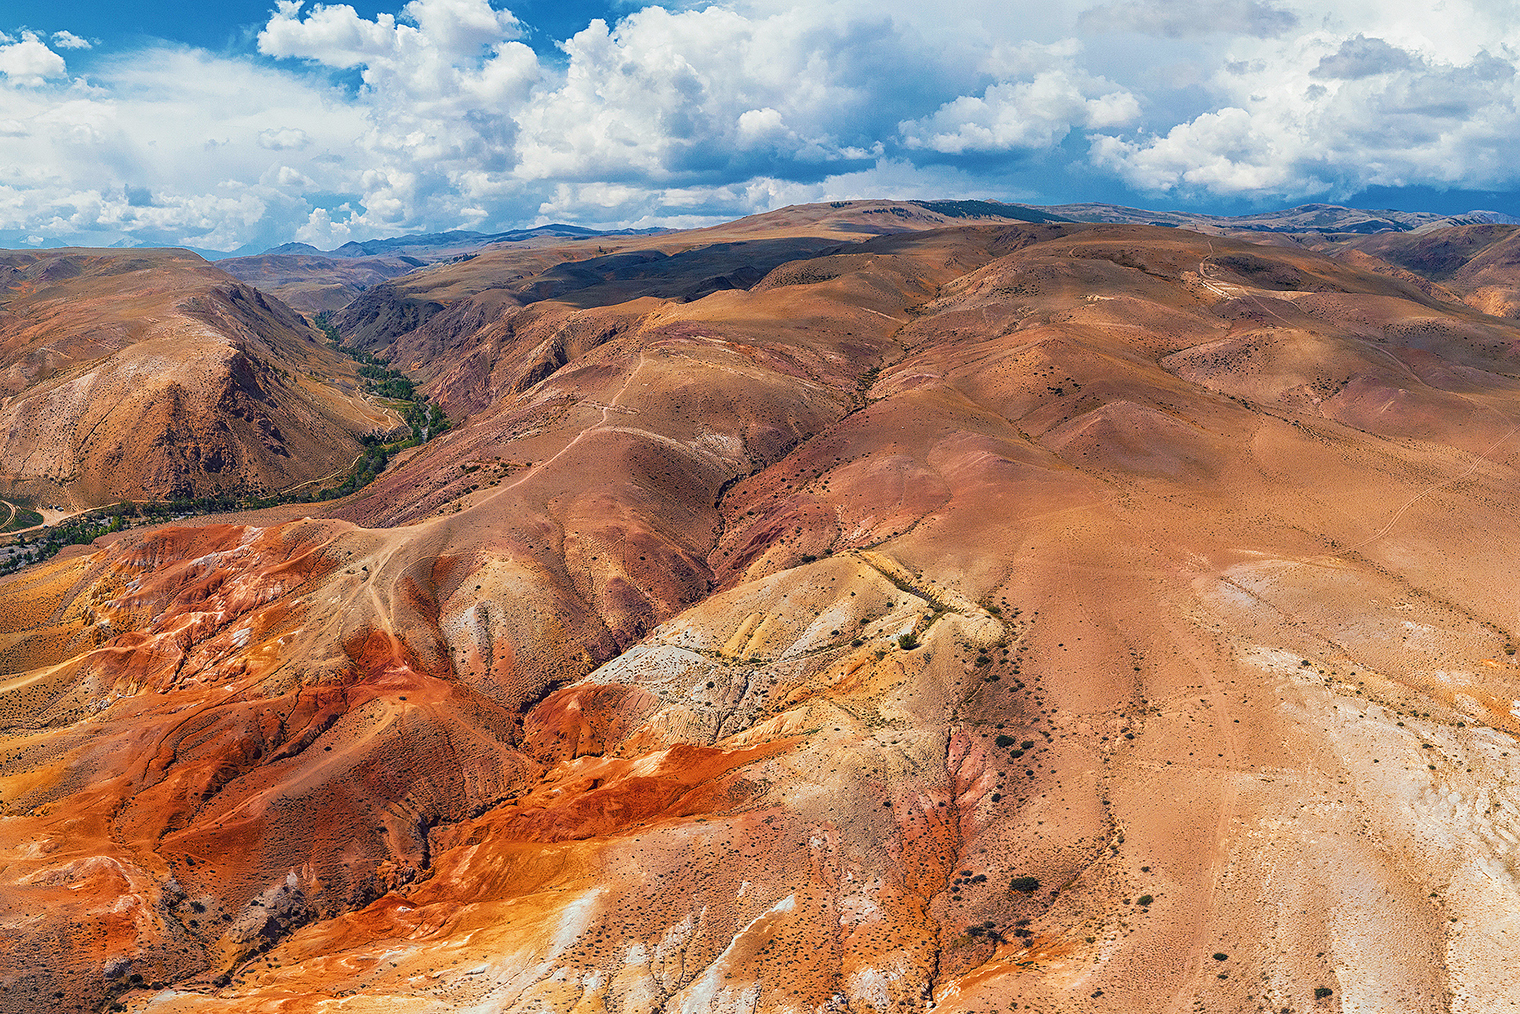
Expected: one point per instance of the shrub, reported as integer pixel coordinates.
(1004, 742)
(1144, 900)
(1025, 885)
(1320, 992)
(907, 640)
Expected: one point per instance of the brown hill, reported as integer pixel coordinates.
(1305, 218)
(312, 283)
(149, 374)
(1480, 263)
(1083, 618)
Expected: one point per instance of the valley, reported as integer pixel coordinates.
(872, 606)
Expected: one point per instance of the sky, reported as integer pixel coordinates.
(242, 124)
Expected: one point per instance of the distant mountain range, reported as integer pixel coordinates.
(432, 247)
(1322, 218)
(435, 242)
(1325, 218)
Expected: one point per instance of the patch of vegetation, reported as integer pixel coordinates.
(426, 420)
(25, 518)
(1320, 992)
(80, 530)
(1025, 885)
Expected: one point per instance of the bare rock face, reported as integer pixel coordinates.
(151, 375)
(1079, 617)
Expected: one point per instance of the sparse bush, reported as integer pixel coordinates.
(1320, 992)
(1025, 885)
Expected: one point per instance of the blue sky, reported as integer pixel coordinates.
(232, 26)
(249, 123)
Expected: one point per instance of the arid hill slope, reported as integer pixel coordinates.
(1087, 618)
(312, 283)
(1306, 218)
(150, 374)
(1478, 263)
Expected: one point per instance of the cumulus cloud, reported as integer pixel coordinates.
(1024, 115)
(670, 95)
(162, 145)
(1199, 17)
(1361, 57)
(68, 40)
(28, 61)
(437, 115)
(283, 138)
(1391, 118)
(440, 51)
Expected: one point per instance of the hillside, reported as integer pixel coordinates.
(1478, 263)
(1306, 218)
(149, 374)
(313, 282)
(964, 614)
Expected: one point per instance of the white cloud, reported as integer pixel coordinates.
(1332, 117)
(1198, 17)
(68, 40)
(29, 61)
(451, 50)
(1024, 115)
(668, 94)
(439, 116)
(283, 138)
(1361, 57)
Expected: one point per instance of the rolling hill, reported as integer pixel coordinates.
(152, 375)
(962, 614)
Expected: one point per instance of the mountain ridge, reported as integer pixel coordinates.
(964, 613)
(153, 375)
